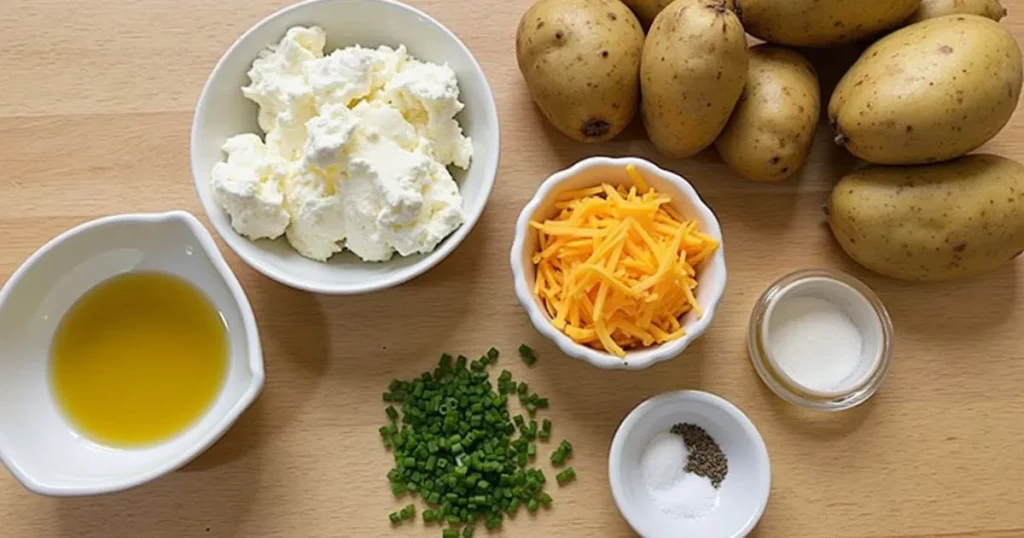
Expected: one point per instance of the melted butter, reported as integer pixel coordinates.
(138, 359)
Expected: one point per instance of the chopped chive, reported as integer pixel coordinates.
(467, 532)
(455, 443)
(527, 355)
(513, 507)
(394, 517)
(566, 476)
(450, 533)
(532, 505)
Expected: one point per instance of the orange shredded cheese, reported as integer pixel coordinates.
(615, 267)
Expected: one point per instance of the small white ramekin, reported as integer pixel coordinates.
(711, 274)
(743, 495)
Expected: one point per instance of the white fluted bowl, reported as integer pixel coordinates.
(711, 274)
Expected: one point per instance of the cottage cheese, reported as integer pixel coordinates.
(355, 155)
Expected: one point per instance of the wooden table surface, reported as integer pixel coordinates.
(95, 105)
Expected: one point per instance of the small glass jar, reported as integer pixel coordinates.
(859, 303)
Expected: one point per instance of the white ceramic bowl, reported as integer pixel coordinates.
(743, 494)
(37, 443)
(222, 112)
(711, 274)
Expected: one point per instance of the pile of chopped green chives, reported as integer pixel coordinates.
(456, 445)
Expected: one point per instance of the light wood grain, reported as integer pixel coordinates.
(94, 118)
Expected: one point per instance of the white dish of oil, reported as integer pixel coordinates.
(54, 360)
(138, 359)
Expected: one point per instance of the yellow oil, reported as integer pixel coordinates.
(138, 359)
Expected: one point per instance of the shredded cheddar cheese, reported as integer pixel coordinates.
(616, 266)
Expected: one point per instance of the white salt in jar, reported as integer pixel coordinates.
(821, 339)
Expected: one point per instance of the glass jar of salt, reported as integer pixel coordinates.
(821, 339)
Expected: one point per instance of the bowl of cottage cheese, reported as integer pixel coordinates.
(345, 146)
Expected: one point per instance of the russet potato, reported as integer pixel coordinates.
(581, 60)
(820, 23)
(931, 222)
(771, 130)
(929, 92)
(932, 9)
(692, 72)
(647, 10)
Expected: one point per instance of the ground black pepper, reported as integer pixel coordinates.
(705, 456)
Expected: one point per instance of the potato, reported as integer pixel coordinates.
(581, 62)
(770, 132)
(932, 9)
(646, 10)
(929, 92)
(692, 73)
(819, 23)
(932, 222)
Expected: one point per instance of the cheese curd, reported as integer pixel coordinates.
(248, 187)
(355, 155)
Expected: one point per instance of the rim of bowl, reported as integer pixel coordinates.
(448, 245)
(782, 384)
(255, 356)
(681, 397)
(634, 360)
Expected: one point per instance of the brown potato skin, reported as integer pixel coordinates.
(933, 222)
(581, 63)
(692, 73)
(647, 10)
(822, 23)
(771, 130)
(933, 9)
(930, 92)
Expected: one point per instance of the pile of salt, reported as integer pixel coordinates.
(675, 492)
